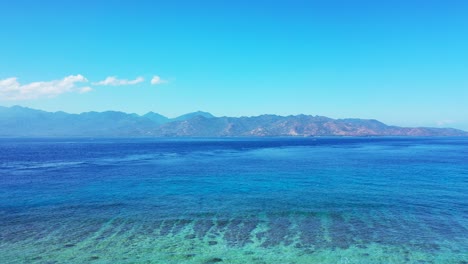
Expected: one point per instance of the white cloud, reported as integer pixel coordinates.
(157, 80)
(86, 89)
(113, 81)
(11, 89)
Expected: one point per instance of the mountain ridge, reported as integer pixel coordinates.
(17, 121)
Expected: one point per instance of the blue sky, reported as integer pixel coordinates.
(402, 62)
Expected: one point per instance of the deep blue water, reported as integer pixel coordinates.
(269, 200)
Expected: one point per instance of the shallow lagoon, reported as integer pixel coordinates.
(270, 200)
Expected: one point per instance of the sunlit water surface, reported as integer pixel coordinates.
(308, 200)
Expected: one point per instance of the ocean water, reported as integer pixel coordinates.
(270, 200)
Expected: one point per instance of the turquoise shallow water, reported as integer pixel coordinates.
(315, 200)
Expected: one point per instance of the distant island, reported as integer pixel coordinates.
(20, 121)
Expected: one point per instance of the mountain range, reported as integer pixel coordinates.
(17, 121)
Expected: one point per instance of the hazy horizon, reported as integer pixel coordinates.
(402, 63)
(442, 125)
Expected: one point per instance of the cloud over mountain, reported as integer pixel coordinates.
(114, 81)
(11, 89)
(157, 80)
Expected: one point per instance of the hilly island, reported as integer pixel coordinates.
(20, 121)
